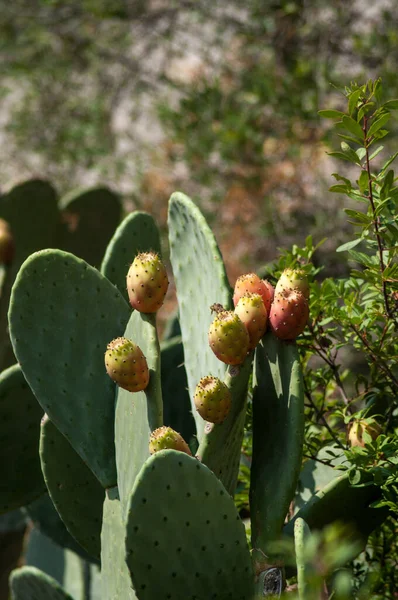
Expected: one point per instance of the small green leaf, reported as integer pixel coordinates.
(364, 110)
(339, 189)
(353, 101)
(354, 214)
(353, 127)
(378, 124)
(387, 184)
(363, 181)
(388, 162)
(391, 105)
(361, 152)
(330, 114)
(376, 152)
(341, 178)
(344, 156)
(349, 245)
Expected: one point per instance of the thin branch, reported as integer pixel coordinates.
(376, 359)
(321, 417)
(376, 220)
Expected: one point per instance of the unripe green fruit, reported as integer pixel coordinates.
(228, 338)
(126, 365)
(165, 438)
(212, 399)
(147, 282)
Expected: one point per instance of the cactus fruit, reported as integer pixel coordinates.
(252, 312)
(126, 365)
(252, 284)
(7, 247)
(271, 294)
(228, 338)
(361, 426)
(147, 282)
(289, 314)
(293, 279)
(212, 399)
(165, 438)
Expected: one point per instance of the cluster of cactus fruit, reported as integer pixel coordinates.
(232, 334)
(113, 480)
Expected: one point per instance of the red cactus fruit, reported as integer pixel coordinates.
(147, 282)
(252, 284)
(252, 312)
(289, 314)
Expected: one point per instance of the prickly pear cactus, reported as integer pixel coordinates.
(162, 522)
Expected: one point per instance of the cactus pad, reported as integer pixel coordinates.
(192, 546)
(136, 233)
(139, 413)
(75, 491)
(89, 219)
(29, 583)
(176, 402)
(47, 521)
(201, 281)
(278, 433)
(31, 211)
(115, 579)
(20, 414)
(56, 293)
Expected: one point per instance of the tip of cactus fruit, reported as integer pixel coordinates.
(165, 438)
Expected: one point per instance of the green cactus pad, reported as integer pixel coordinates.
(75, 491)
(220, 448)
(89, 218)
(78, 577)
(62, 315)
(139, 413)
(20, 414)
(31, 211)
(339, 500)
(136, 233)
(201, 281)
(278, 432)
(301, 534)
(192, 545)
(176, 402)
(115, 578)
(29, 583)
(45, 518)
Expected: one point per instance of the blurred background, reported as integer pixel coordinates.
(216, 99)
